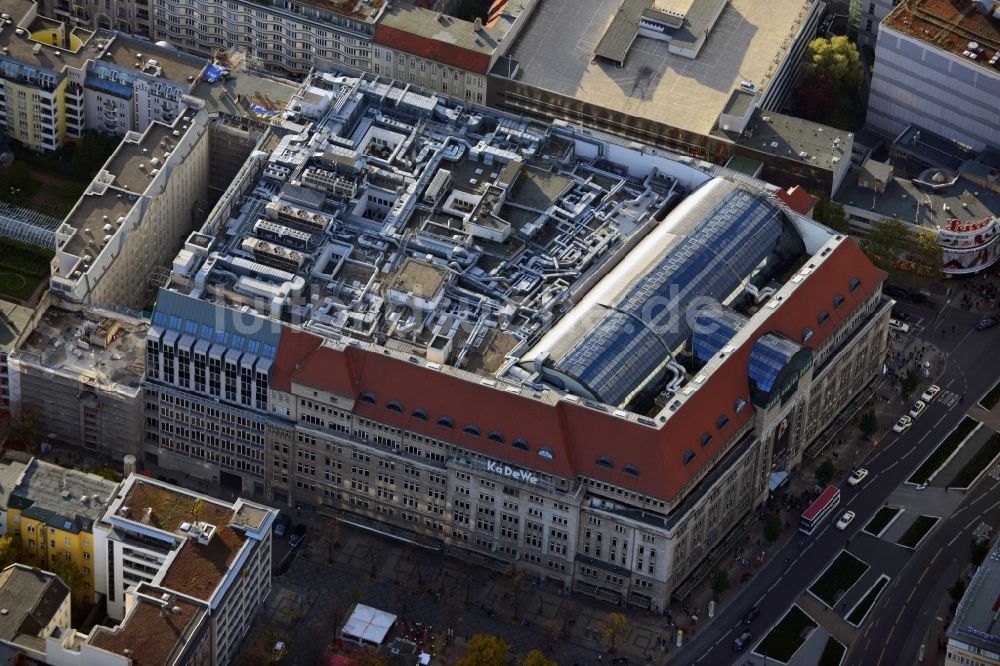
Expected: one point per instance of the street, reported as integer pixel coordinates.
(969, 369)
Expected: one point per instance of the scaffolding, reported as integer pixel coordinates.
(28, 226)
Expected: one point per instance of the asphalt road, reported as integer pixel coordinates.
(971, 368)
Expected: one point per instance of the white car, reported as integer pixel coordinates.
(899, 326)
(931, 391)
(857, 477)
(903, 424)
(918, 408)
(845, 520)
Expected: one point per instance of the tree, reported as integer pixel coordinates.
(10, 551)
(836, 58)
(370, 657)
(815, 97)
(830, 213)
(885, 241)
(869, 423)
(957, 590)
(615, 627)
(927, 252)
(720, 582)
(909, 384)
(23, 432)
(536, 658)
(772, 527)
(825, 472)
(91, 152)
(980, 549)
(517, 578)
(486, 650)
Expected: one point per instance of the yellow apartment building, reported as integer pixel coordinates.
(52, 510)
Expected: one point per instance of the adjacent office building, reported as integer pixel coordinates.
(973, 637)
(37, 605)
(444, 326)
(937, 65)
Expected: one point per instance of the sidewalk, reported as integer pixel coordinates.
(828, 618)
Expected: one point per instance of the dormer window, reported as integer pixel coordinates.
(739, 405)
(706, 437)
(394, 406)
(420, 413)
(721, 422)
(823, 316)
(495, 437)
(688, 456)
(855, 283)
(546, 452)
(446, 422)
(521, 444)
(838, 300)
(368, 397)
(471, 430)
(806, 334)
(631, 470)
(605, 462)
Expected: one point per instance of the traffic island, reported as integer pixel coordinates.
(857, 614)
(881, 521)
(944, 451)
(833, 653)
(915, 533)
(982, 460)
(842, 574)
(786, 637)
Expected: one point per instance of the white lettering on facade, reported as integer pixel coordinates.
(511, 473)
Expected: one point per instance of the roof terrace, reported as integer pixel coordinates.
(957, 27)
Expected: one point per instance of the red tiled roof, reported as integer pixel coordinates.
(798, 199)
(432, 49)
(578, 435)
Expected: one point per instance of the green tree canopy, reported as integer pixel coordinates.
(869, 423)
(825, 472)
(486, 650)
(615, 628)
(720, 582)
(830, 213)
(835, 58)
(927, 252)
(885, 241)
(536, 658)
(772, 527)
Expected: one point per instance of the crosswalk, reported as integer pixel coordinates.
(982, 531)
(949, 398)
(995, 472)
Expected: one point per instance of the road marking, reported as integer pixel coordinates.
(948, 398)
(921, 579)
(934, 559)
(994, 473)
(909, 597)
(760, 598)
(982, 531)
(954, 539)
(970, 523)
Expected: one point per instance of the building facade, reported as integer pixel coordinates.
(965, 83)
(973, 639)
(212, 554)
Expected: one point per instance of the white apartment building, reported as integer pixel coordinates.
(194, 548)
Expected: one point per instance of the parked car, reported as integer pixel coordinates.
(845, 520)
(751, 615)
(931, 391)
(894, 291)
(742, 641)
(281, 524)
(903, 424)
(987, 323)
(901, 316)
(899, 326)
(859, 475)
(918, 408)
(298, 533)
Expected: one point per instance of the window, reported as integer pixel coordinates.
(631, 469)
(495, 436)
(605, 462)
(721, 422)
(521, 444)
(688, 456)
(823, 316)
(471, 430)
(838, 300)
(445, 422)
(368, 397)
(546, 452)
(420, 413)
(855, 283)
(706, 437)
(394, 406)
(739, 405)
(806, 334)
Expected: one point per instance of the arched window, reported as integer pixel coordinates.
(706, 437)
(420, 413)
(394, 406)
(855, 283)
(721, 422)
(688, 456)
(739, 405)
(495, 436)
(521, 444)
(546, 452)
(368, 397)
(806, 334)
(446, 422)
(823, 316)
(605, 462)
(838, 300)
(471, 430)
(631, 469)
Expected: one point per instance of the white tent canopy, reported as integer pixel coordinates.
(367, 625)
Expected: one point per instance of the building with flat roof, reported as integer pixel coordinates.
(11, 471)
(446, 359)
(937, 65)
(667, 87)
(36, 606)
(15, 326)
(78, 377)
(52, 511)
(974, 634)
(210, 558)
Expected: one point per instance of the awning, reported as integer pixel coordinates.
(778, 479)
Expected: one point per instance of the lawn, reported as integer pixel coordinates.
(881, 519)
(784, 640)
(833, 653)
(858, 613)
(921, 526)
(991, 399)
(838, 578)
(22, 267)
(984, 456)
(943, 451)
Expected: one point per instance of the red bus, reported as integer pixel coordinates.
(819, 510)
